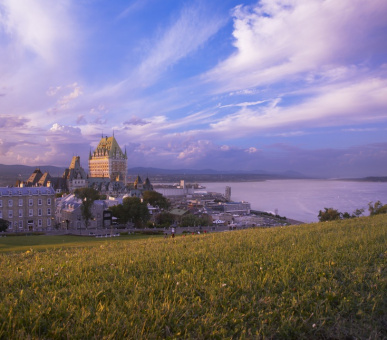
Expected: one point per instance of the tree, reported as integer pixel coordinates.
(358, 213)
(119, 213)
(137, 211)
(345, 215)
(4, 224)
(165, 219)
(377, 208)
(131, 209)
(193, 220)
(88, 196)
(156, 199)
(329, 214)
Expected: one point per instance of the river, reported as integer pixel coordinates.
(302, 199)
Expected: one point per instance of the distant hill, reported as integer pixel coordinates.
(367, 179)
(210, 175)
(10, 173)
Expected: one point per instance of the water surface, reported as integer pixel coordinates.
(302, 199)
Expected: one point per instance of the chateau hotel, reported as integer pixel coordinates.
(107, 172)
(108, 161)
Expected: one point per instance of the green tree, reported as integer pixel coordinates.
(4, 224)
(156, 199)
(165, 219)
(193, 220)
(358, 213)
(377, 208)
(345, 215)
(119, 213)
(136, 210)
(87, 196)
(131, 209)
(329, 214)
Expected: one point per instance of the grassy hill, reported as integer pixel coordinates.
(324, 280)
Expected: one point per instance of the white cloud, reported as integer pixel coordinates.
(67, 130)
(188, 33)
(39, 42)
(64, 101)
(132, 8)
(335, 104)
(36, 26)
(284, 39)
(251, 150)
(244, 104)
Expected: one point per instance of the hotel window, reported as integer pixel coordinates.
(1, 203)
(39, 223)
(31, 212)
(39, 201)
(39, 212)
(20, 212)
(1, 214)
(21, 224)
(30, 202)
(10, 203)
(20, 202)
(48, 211)
(48, 222)
(48, 201)
(10, 214)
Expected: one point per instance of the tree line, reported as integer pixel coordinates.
(331, 214)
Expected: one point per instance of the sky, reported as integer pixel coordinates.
(273, 85)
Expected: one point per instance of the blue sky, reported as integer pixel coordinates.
(270, 85)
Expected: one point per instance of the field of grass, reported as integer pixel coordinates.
(41, 243)
(324, 280)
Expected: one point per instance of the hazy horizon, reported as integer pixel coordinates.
(289, 85)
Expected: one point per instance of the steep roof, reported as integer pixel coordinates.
(35, 177)
(108, 146)
(44, 179)
(75, 171)
(138, 180)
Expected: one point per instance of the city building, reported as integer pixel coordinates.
(242, 208)
(68, 215)
(28, 208)
(227, 194)
(108, 161)
(138, 187)
(36, 179)
(75, 176)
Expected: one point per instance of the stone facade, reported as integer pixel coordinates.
(108, 161)
(28, 208)
(75, 176)
(69, 217)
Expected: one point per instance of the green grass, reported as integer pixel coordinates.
(325, 280)
(43, 242)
